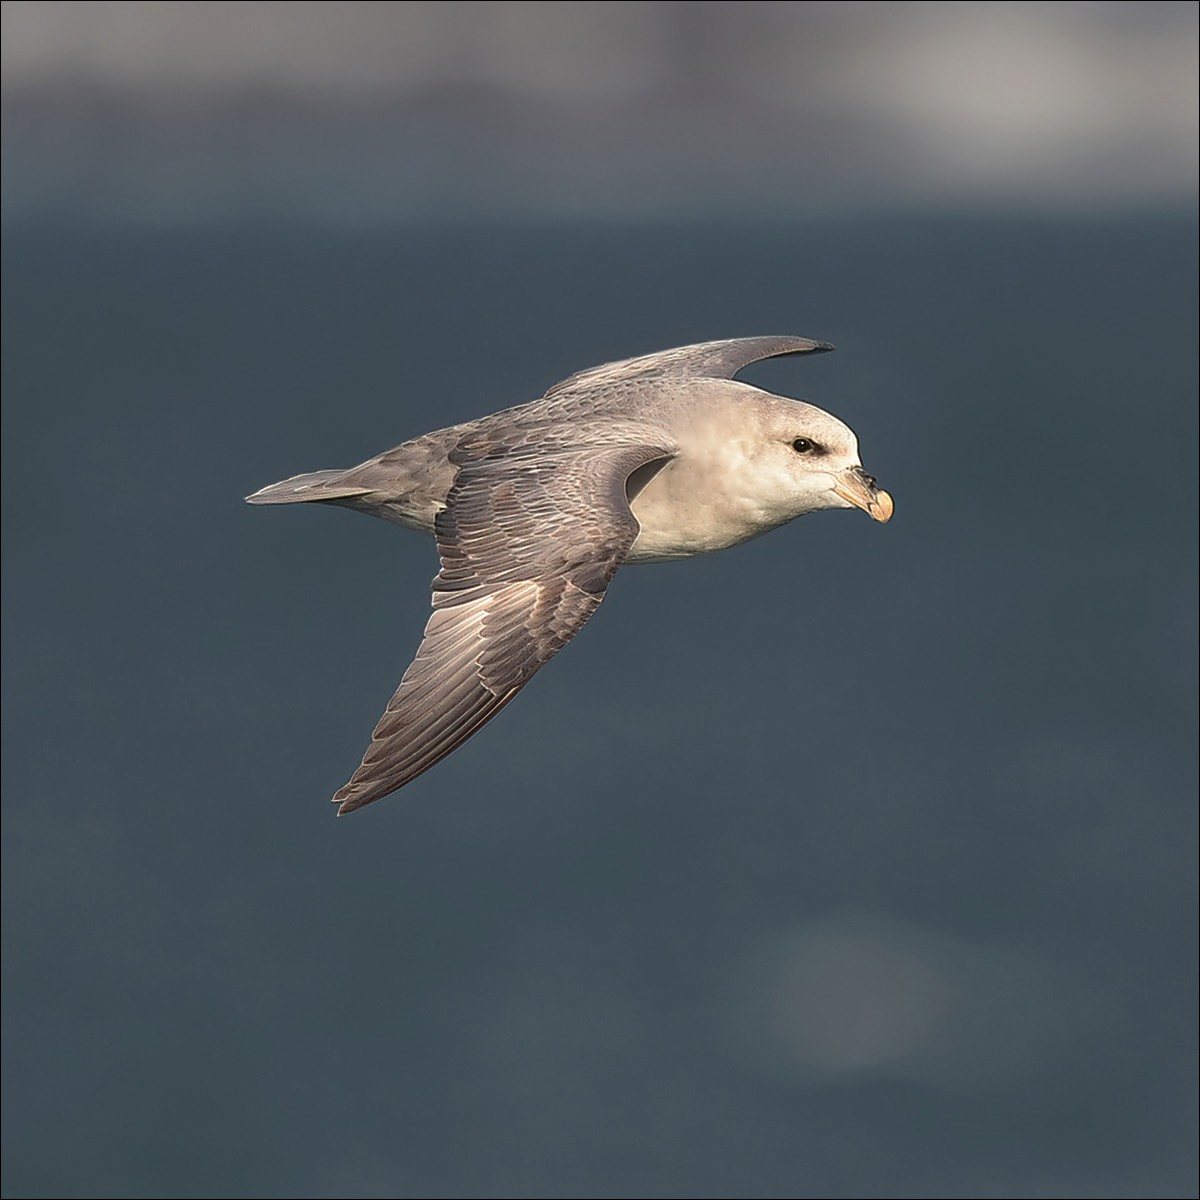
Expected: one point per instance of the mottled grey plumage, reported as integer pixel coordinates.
(534, 508)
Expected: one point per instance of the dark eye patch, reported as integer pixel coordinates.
(803, 445)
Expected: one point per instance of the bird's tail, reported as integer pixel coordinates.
(317, 485)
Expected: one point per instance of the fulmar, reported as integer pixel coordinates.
(535, 507)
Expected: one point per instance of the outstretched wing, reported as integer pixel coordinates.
(529, 540)
(705, 360)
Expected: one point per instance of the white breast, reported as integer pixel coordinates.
(697, 504)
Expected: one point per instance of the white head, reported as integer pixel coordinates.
(798, 458)
(747, 463)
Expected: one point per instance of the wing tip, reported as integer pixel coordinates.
(348, 802)
(352, 796)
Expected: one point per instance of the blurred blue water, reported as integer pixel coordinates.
(857, 860)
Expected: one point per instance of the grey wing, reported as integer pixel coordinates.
(528, 543)
(705, 360)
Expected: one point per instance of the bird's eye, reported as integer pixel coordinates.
(805, 446)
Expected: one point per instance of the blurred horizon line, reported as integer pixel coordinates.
(367, 113)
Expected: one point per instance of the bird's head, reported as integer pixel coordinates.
(805, 459)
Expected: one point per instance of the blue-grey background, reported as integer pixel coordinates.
(857, 860)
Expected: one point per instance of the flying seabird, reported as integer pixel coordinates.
(534, 508)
